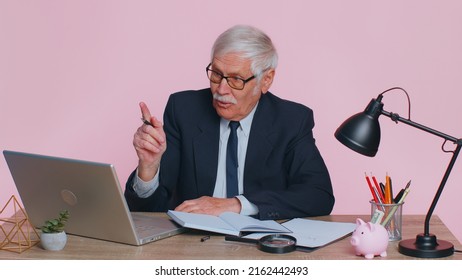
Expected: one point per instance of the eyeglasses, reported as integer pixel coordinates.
(233, 82)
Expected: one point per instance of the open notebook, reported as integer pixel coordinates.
(92, 194)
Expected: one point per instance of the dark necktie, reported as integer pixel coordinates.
(232, 188)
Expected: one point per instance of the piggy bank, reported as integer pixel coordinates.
(369, 239)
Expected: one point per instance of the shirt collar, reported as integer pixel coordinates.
(245, 123)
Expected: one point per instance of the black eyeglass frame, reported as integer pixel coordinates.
(244, 82)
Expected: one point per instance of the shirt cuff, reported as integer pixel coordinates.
(145, 189)
(247, 208)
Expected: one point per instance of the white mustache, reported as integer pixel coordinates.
(224, 98)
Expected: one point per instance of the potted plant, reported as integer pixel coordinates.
(53, 236)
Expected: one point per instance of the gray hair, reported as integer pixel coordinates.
(250, 43)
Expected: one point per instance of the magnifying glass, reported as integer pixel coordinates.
(277, 243)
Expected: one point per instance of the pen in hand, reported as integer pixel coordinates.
(146, 122)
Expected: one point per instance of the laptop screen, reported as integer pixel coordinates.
(90, 191)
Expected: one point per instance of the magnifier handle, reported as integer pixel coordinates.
(240, 239)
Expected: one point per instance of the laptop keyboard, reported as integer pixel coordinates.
(148, 225)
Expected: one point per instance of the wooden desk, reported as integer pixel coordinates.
(188, 246)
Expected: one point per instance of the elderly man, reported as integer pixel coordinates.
(234, 146)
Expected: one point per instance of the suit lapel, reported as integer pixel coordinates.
(259, 147)
(206, 155)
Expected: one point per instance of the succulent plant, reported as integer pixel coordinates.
(56, 225)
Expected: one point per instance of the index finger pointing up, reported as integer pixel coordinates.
(145, 113)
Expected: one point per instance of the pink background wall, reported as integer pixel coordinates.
(72, 74)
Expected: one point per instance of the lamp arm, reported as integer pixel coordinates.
(458, 142)
(396, 117)
(440, 189)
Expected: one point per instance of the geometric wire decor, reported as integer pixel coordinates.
(16, 232)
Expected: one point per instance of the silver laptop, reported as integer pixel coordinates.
(92, 194)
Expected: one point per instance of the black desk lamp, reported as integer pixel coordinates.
(361, 133)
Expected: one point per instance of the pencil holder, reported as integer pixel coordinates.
(392, 218)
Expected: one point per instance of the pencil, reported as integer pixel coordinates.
(379, 190)
(393, 210)
(388, 198)
(371, 188)
(400, 194)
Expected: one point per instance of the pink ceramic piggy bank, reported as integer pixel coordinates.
(369, 239)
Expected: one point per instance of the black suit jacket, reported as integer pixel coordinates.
(285, 175)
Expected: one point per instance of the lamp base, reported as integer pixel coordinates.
(426, 246)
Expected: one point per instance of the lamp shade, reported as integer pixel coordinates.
(361, 132)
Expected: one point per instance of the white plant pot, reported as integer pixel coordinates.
(53, 241)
